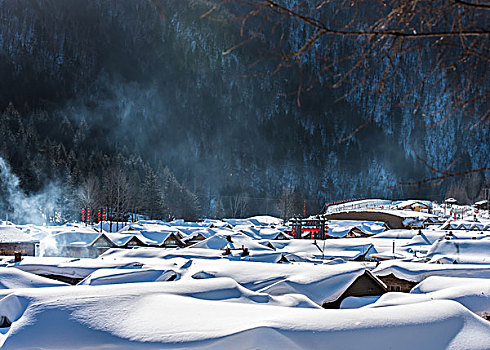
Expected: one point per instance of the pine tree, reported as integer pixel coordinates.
(152, 197)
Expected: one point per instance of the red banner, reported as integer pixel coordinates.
(310, 229)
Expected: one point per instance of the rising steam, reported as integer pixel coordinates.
(19, 207)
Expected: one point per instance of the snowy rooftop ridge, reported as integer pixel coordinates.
(10, 234)
(417, 272)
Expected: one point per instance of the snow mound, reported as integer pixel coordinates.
(357, 302)
(461, 251)
(135, 317)
(473, 293)
(12, 278)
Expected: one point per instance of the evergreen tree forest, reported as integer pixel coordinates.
(141, 109)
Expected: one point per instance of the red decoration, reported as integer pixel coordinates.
(310, 229)
(83, 214)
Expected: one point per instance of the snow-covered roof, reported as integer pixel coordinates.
(10, 234)
(265, 220)
(150, 227)
(428, 237)
(256, 221)
(482, 225)
(150, 233)
(72, 268)
(396, 234)
(417, 272)
(12, 278)
(205, 233)
(120, 239)
(229, 239)
(75, 238)
(155, 238)
(159, 253)
(412, 203)
(320, 283)
(340, 228)
(348, 249)
(461, 251)
(262, 232)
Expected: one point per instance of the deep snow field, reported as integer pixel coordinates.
(246, 284)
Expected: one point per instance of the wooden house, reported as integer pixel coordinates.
(364, 285)
(193, 238)
(482, 205)
(79, 244)
(172, 241)
(134, 242)
(13, 240)
(396, 284)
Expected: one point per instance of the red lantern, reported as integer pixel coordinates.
(83, 214)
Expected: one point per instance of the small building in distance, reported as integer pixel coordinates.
(13, 240)
(79, 244)
(482, 205)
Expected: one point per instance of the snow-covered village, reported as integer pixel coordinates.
(405, 274)
(244, 174)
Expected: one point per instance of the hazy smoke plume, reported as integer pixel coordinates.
(19, 207)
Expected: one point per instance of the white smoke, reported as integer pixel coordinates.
(48, 246)
(39, 208)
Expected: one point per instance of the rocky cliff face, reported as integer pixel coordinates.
(154, 83)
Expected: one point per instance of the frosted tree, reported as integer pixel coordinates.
(435, 52)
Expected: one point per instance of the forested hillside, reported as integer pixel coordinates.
(125, 105)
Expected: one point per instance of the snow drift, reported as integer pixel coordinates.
(134, 316)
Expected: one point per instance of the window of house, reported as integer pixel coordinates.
(170, 242)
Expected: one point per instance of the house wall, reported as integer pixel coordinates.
(396, 284)
(364, 286)
(28, 249)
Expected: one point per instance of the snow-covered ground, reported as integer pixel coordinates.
(134, 316)
(245, 283)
